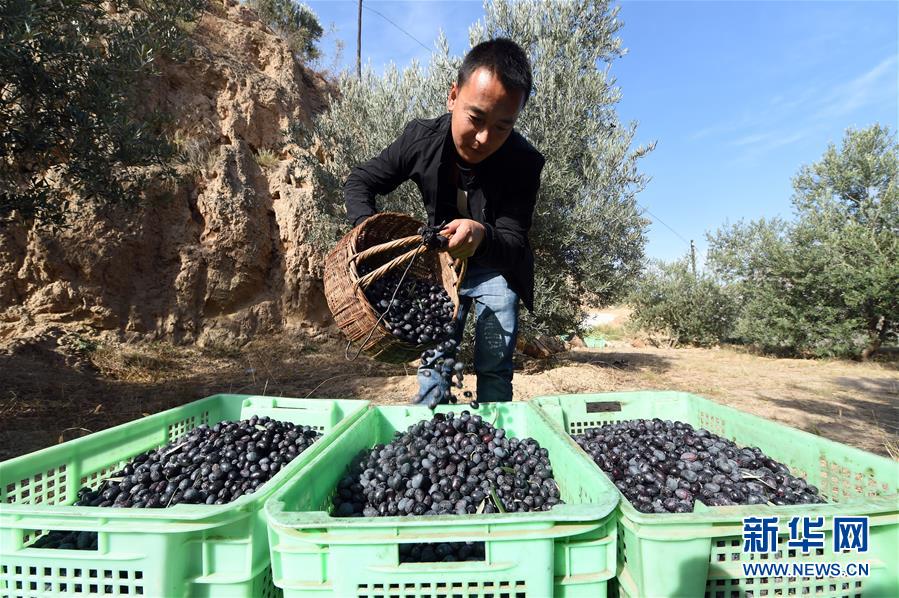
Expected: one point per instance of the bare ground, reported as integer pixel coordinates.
(47, 397)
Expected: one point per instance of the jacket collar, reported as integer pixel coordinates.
(443, 133)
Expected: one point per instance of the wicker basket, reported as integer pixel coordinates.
(384, 242)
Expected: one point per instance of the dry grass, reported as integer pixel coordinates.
(195, 152)
(151, 362)
(187, 27)
(267, 158)
(220, 351)
(892, 449)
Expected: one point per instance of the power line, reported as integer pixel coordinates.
(665, 225)
(398, 27)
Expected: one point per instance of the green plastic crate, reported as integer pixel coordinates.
(185, 550)
(700, 553)
(595, 342)
(568, 551)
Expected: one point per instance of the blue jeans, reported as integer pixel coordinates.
(496, 330)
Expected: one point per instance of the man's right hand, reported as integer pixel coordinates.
(466, 236)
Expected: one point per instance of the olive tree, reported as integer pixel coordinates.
(295, 23)
(825, 283)
(689, 308)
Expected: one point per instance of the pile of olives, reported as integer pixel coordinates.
(420, 314)
(442, 552)
(665, 466)
(65, 540)
(451, 464)
(210, 465)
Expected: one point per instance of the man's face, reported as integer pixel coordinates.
(484, 113)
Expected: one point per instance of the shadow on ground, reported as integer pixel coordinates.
(864, 409)
(885, 387)
(625, 361)
(45, 399)
(874, 399)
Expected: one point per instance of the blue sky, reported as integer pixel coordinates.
(738, 95)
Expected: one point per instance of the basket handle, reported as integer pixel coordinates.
(374, 275)
(459, 265)
(397, 261)
(376, 249)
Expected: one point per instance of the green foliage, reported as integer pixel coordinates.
(294, 22)
(826, 283)
(588, 233)
(693, 310)
(366, 117)
(69, 105)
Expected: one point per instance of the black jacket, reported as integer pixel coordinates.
(501, 198)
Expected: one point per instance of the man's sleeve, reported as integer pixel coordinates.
(379, 176)
(505, 241)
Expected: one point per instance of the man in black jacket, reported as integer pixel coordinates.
(475, 172)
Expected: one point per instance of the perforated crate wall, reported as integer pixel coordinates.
(180, 428)
(729, 552)
(621, 546)
(841, 483)
(264, 586)
(579, 426)
(712, 423)
(19, 581)
(784, 586)
(47, 487)
(482, 589)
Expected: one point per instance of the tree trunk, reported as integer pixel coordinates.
(878, 335)
(871, 349)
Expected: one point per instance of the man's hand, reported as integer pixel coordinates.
(466, 237)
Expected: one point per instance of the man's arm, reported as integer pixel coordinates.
(505, 241)
(379, 176)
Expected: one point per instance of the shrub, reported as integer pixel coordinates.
(827, 282)
(691, 309)
(70, 109)
(295, 23)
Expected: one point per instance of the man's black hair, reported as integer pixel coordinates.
(505, 59)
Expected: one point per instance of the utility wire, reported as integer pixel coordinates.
(397, 26)
(660, 221)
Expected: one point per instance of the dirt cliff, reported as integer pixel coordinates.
(222, 256)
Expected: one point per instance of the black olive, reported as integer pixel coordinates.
(663, 466)
(441, 466)
(201, 466)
